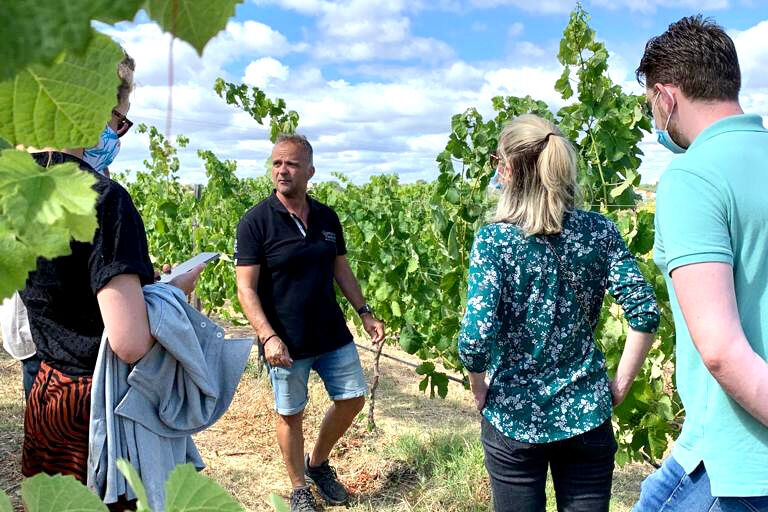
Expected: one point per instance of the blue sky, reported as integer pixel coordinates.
(376, 82)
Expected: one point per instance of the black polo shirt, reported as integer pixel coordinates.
(297, 273)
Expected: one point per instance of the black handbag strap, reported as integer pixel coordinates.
(570, 277)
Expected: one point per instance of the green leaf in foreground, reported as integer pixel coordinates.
(194, 21)
(134, 480)
(278, 503)
(65, 105)
(187, 490)
(5, 503)
(42, 29)
(45, 493)
(41, 211)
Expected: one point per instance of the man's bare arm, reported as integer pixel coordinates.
(275, 351)
(347, 282)
(247, 278)
(707, 299)
(351, 289)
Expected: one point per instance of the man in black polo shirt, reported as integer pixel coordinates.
(289, 250)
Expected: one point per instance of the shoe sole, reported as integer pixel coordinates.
(322, 494)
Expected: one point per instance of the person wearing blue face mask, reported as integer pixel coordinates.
(662, 135)
(100, 156)
(712, 247)
(72, 300)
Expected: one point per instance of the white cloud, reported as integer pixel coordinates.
(364, 30)
(539, 6)
(261, 72)
(515, 29)
(150, 47)
(365, 116)
(527, 49)
(753, 55)
(649, 6)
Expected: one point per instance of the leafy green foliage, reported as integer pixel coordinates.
(194, 21)
(258, 106)
(41, 210)
(278, 503)
(134, 480)
(64, 105)
(5, 503)
(409, 244)
(58, 84)
(606, 126)
(188, 490)
(44, 493)
(42, 29)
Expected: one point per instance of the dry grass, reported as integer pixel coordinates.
(11, 426)
(243, 457)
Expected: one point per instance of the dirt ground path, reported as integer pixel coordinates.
(242, 455)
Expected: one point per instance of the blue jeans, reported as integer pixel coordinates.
(339, 369)
(582, 470)
(670, 489)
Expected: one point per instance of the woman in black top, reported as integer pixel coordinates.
(72, 300)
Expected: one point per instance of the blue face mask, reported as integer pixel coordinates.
(495, 183)
(663, 136)
(102, 154)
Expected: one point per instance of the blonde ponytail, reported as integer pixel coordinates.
(541, 167)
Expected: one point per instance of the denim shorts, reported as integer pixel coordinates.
(340, 371)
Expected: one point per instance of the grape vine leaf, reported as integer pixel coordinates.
(41, 210)
(44, 493)
(186, 489)
(278, 503)
(65, 105)
(42, 29)
(134, 480)
(194, 21)
(5, 503)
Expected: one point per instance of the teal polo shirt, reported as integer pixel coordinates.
(712, 206)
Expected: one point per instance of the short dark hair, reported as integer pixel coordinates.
(696, 55)
(299, 140)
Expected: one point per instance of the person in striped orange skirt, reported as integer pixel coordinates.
(72, 300)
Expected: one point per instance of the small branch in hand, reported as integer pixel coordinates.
(374, 385)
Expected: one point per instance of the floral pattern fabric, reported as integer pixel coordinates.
(525, 326)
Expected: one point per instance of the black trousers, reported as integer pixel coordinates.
(582, 471)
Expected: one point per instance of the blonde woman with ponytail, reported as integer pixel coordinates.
(537, 277)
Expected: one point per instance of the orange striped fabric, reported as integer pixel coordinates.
(56, 425)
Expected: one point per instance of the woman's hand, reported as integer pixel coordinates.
(166, 269)
(618, 392)
(479, 388)
(186, 282)
(481, 394)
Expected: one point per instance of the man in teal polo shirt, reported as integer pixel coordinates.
(712, 246)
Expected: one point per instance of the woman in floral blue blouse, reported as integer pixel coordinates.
(537, 277)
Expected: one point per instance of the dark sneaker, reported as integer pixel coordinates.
(327, 483)
(303, 501)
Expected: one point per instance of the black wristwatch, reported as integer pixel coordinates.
(365, 309)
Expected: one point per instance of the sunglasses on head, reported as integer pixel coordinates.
(123, 123)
